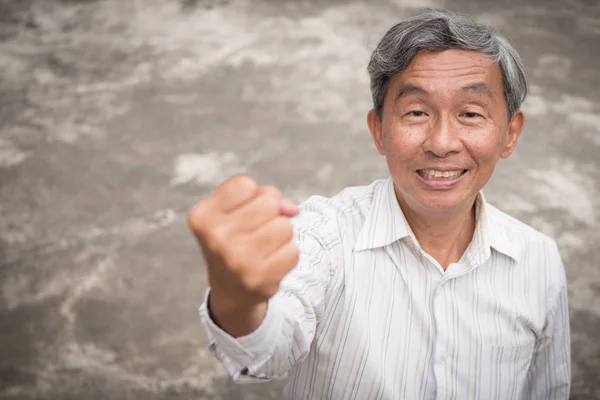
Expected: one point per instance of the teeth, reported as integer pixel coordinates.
(432, 173)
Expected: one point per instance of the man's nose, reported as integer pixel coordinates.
(443, 139)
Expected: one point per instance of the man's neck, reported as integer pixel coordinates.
(444, 236)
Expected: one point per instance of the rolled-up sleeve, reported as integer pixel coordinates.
(285, 335)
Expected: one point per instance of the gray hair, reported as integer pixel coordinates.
(439, 30)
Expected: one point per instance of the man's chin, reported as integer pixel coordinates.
(448, 202)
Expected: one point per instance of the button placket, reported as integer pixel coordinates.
(439, 323)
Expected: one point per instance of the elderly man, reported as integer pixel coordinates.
(412, 287)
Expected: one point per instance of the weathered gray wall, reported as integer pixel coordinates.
(116, 116)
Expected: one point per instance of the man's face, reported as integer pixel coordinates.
(443, 128)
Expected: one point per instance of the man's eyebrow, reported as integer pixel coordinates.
(478, 88)
(410, 89)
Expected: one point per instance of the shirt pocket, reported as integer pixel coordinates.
(504, 369)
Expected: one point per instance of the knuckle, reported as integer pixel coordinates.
(292, 256)
(234, 259)
(253, 282)
(197, 216)
(271, 192)
(245, 185)
(294, 253)
(241, 258)
(216, 238)
(272, 290)
(268, 205)
(284, 228)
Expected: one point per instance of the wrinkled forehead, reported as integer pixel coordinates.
(452, 66)
(450, 71)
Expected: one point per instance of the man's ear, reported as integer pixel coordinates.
(515, 127)
(375, 128)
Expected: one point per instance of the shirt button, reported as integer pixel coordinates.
(444, 358)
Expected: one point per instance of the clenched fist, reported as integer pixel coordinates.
(245, 233)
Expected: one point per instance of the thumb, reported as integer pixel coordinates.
(288, 208)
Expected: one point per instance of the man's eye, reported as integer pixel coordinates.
(471, 115)
(416, 113)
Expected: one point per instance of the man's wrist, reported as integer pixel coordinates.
(235, 319)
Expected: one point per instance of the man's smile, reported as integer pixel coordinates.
(440, 179)
(435, 173)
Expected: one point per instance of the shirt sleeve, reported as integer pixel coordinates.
(285, 335)
(550, 371)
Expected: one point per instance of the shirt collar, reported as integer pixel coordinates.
(385, 223)
(492, 233)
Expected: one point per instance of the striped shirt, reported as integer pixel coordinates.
(367, 314)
